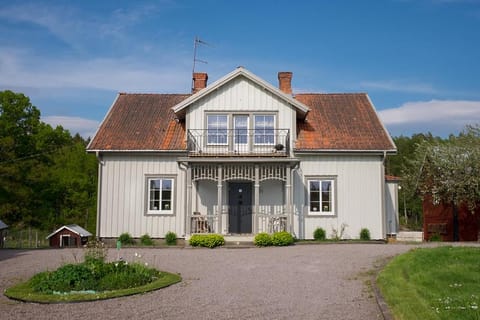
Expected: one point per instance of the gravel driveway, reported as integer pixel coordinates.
(298, 282)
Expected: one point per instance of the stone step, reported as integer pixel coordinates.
(410, 236)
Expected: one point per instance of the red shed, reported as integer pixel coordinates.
(71, 235)
(439, 219)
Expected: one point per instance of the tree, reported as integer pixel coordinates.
(46, 177)
(410, 202)
(448, 171)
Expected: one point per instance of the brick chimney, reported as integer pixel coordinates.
(199, 81)
(285, 82)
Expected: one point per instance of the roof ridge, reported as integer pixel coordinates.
(329, 93)
(154, 94)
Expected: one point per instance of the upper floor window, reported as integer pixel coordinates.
(160, 195)
(320, 196)
(240, 124)
(217, 125)
(264, 126)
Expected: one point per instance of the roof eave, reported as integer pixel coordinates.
(355, 151)
(101, 123)
(135, 150)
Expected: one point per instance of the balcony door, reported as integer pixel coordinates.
(240, 134)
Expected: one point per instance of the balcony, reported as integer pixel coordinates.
(238, 142)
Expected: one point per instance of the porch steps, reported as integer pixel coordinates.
(239, 241)
(410, 236)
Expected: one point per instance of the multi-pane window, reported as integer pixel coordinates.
(321, 196)
(217, 125)
(240, 125)
(264, 126)
(160, 195)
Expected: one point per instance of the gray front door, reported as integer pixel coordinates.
(240, 207)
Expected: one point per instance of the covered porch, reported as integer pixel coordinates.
(237, 197)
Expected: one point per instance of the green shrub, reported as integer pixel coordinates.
(97, 277)
(364, 234)
(207, 240)
(96, 252)
(436, 237)
(146, 240)
(263, 240)
(66, 278)
(320, 234)
(282, 238)
(123, 275)
(171, 238)
(125, 238)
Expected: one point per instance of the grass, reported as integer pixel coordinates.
(433, 283)
(24, 291)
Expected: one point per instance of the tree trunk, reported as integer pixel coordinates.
(456, 236)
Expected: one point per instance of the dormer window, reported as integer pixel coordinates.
(264, 126)
(217, 126)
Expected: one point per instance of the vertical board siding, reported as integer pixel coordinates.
(124, 190)
(240, 95)
(358, 195)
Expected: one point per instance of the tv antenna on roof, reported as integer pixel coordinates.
(196, 43)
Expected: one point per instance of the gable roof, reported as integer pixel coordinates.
(141, 122)
(75, 228)
(334, 122)
(3, 225)
(341, 122)
(302, 109)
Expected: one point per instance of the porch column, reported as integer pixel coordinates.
(256, 199)
(288, 196)
(219, 197)
(189, 200)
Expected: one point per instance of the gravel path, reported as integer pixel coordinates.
(298, 282)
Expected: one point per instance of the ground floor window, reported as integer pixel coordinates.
(321, 196)
(160, 195)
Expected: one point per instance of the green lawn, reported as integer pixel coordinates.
(433, 283)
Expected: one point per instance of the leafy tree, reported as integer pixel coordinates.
(448, 171)
(46, 177)
(410, 203)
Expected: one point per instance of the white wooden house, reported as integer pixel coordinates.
(241, 156)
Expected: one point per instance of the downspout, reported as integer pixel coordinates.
(384, 209)
(183, 166)
(292, 202)
(99, 191)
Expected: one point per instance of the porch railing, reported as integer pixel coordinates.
(269, 219)
(246, 142)
(203, 223)
(271, 223)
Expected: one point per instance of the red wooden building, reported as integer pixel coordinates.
(440, 220)
(71, 235)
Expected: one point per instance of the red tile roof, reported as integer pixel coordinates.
(341, 122)
(335, 122)
(141, 122)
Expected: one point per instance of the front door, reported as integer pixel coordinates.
(240, 207)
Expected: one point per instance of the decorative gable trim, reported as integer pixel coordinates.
(180, 109)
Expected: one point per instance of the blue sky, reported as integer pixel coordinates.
(419, 61)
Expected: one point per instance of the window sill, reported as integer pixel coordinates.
(159, 213)
(321, 214)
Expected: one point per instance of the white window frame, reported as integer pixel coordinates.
(255, 129)
(208, 129)
(148, 199)
(235, 136)
(333, 192)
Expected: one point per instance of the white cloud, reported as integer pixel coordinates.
(75, 27)
(85, 127)
(397, 86)
(440, 117)
(122, 74)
